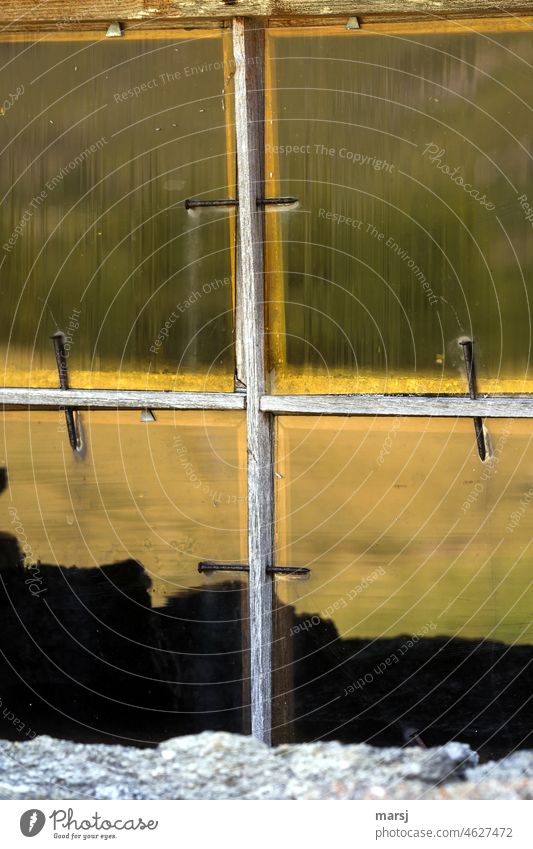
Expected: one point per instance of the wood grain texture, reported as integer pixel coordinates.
(248, 50)
(24, 11)
(509, 406)
(123, 399)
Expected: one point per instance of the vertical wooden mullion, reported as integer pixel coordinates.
(248, 48)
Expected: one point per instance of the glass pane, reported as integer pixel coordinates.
(108, 631)
(103, 144)
(415, 623)
(408, 151)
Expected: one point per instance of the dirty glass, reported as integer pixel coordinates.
(108, 630)
(408, 152)
(102, 142)
(414, 625)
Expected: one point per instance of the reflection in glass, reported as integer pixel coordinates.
(409, 153)
(107, 629)
(106, 141)
(416, 621)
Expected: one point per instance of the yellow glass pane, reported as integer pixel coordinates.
(408, 151)
(108, 629)
(103, 140)
(419, 558)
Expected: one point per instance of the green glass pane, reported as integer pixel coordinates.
(100, 150)
(419, 558)
(108, 631)
(409, 154)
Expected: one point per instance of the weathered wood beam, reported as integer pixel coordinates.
(508, 406)
(110, 399)
(248, 49)
(25, 11)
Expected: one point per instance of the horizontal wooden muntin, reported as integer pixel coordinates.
(500, 406)
(120, 399)
(492, 406)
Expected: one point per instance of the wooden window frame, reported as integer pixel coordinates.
(251, 377)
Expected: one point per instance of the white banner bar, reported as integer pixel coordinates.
(234, 824)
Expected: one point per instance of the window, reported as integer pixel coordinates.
(407, 147)
(312, 326)
(108, 140)
(105, 143)
(129, 643)
(416, 614)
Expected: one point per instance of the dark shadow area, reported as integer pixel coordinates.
(85, 656)
(397, 691)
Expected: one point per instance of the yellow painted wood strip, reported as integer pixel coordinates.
(459, 26)
(129, 34)
(228, 95)
(274, 278)
(296, 382)
(141, 380)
